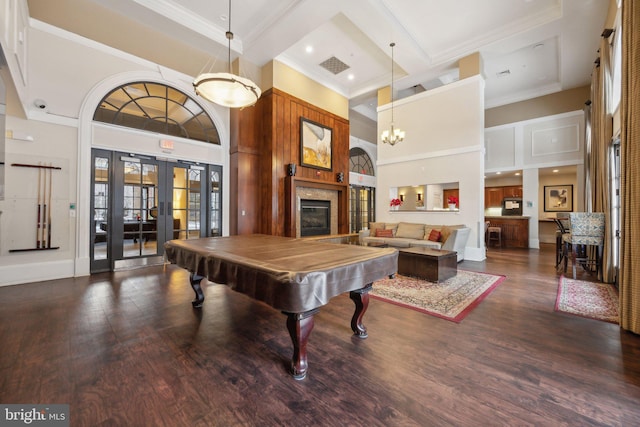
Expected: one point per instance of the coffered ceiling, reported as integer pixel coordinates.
(529, 48)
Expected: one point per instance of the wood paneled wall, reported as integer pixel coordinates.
(265, 138)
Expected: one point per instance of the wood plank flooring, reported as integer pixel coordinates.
(127, 349)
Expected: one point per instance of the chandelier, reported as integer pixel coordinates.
(392, 136)
(227, 89)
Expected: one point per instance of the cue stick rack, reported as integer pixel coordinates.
(44, 206)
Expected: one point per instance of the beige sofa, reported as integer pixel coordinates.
(408, 234)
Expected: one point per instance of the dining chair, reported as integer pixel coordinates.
(585, 229)
(562, 224)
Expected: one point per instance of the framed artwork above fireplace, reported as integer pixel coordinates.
(315, 144)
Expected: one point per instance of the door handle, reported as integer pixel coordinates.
(161, 208)
(169, 208)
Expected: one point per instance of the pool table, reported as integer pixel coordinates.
(293, 275)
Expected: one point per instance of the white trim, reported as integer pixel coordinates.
(219, 115)
(92, 44)
(432, 154)
(434, 92)
(36, 272)
(578, 113)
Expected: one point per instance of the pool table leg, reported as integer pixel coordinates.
(195, 280)
(300, 326)
(360, 298)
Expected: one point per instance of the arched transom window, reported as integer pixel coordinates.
(155, 107)
(360, 162)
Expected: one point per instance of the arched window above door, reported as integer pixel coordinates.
(360, 162)
(155, 107)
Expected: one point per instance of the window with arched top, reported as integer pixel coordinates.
(158, 108)
(360, 162)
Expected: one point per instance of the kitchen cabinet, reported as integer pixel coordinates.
(515, 230)
(493, 197)
(512, 191)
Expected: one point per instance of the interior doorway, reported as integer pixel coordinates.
(140, 202)
(362, 202)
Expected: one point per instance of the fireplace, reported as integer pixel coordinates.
(315, 217)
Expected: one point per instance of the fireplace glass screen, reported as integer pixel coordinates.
(315, 217)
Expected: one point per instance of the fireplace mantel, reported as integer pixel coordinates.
(292, 183)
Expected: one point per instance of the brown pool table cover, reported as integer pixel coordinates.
(291, 275)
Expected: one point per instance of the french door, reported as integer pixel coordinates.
(140, 202)
(361, 207)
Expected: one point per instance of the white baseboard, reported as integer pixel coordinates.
(475, 254)
(36, 272)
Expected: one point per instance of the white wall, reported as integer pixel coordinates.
(72, 74)
(444, 143)
(531, 145)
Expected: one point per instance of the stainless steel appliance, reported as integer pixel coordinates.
(512, 206)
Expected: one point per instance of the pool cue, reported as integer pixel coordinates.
(50, 208)
(39, 209)
(44, 209)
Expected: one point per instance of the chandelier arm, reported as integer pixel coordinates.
(392, 136)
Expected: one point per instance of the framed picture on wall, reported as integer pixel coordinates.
(558, 198)
(315, 144)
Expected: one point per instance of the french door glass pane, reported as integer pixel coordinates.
(215, 204)
(100, 207)
(139, 200)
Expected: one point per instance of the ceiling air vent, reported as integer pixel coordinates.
(503, 73)
(334, 65)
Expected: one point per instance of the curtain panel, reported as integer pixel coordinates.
(629, 283)
(600, 159)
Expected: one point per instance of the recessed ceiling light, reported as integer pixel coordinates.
(309, 49)
(556, 171)
(498, 173)
(517, 173)
(351, 77)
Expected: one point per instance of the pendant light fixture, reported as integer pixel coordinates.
(392, 136)
(227, 89)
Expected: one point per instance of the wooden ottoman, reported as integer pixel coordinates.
(434, 265)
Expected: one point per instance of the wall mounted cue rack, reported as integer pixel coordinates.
(43, 226)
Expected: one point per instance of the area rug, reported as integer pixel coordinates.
(588, 299)
(452, 299)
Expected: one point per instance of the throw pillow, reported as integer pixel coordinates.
(384, 233)
(435, 236)
(410, 230)
(373, 226)
(447, 229)
(391, 226)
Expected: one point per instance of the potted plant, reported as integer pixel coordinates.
(452, 201)
(395, 203)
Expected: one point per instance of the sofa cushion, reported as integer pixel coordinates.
(410, 231)
(446, 231)
(373, 226)
(426, 244)
(393, 226)
(434, 235)
(384, 233)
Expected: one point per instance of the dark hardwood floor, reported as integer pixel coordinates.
(127, 349)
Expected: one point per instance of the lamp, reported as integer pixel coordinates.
(419, 196)
(227, 89)
(402, 197)
(393, 136)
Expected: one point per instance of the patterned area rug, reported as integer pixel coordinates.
(452, 299)
(588, 299)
